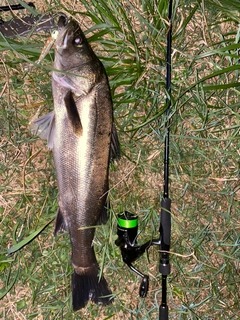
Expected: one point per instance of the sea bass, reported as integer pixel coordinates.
(82, 136)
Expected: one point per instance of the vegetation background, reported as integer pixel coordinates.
(129, 36)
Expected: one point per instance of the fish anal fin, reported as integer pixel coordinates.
(73, 114)
(60, 224)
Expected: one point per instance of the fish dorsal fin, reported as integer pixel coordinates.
(73, 114)
(115, 146)
(104, 216)
(44, 127)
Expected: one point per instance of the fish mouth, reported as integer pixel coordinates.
(62, 21)
(66, 29)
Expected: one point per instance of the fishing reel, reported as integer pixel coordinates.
(127, 231)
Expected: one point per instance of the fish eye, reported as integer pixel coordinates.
(77, 41)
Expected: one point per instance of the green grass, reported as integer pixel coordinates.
(130, 39)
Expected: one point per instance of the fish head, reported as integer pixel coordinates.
(72, 48)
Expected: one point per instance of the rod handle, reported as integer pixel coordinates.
(165, 222)
(165, 234)
(163, 312)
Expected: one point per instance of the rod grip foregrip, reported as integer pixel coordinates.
(165, 222)
(165, 234)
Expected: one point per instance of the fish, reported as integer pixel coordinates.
(83, 138)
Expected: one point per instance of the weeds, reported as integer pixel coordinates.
(130, 39)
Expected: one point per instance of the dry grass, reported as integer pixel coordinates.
(204, 166)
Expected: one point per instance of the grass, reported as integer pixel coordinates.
(130, 39)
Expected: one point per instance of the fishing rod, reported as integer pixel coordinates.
(127, 227)
(165, 217)
(11, 7)
(16, 7)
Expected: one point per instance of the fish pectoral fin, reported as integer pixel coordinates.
(73, 114)
(115, 146)
(60, 224)
(44, 127)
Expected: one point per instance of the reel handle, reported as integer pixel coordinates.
(143, 290)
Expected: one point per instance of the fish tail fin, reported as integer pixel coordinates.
(87, 287)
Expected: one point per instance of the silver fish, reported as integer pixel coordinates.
(81, 133)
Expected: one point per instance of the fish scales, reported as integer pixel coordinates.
(81, 133)
(82, 171)
(82, 162)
